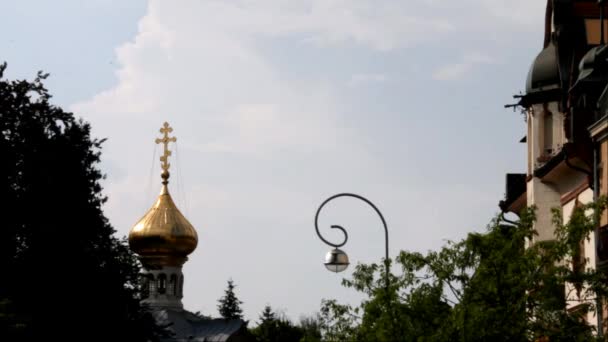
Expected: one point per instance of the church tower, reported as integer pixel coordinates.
(163, 238)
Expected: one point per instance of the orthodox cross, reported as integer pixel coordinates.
(164, 159)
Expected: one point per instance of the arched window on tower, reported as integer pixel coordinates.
(162, 283)
(172, 290)
(547, 133)
(181, 287)
(151, 284)
(146, 285)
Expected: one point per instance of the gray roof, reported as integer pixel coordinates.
(189, 327)
(544, 72)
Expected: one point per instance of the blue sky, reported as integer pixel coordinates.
(280, 104)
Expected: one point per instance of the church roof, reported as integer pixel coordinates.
(163, 231)
(190, 327)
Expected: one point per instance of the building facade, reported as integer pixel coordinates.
(565, 106)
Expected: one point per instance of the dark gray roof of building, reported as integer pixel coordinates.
(544, 72)
(189, 327)
(592, 71)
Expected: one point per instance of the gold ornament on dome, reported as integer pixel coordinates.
(164, 159)
(163, 236)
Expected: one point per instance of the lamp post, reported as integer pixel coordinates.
(336, 259)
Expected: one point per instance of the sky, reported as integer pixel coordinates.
(277, 105)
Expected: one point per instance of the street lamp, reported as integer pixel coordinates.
(336, 259)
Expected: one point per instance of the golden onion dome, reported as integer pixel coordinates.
(163, 236)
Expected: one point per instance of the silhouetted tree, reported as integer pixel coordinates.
(267, 315)
(311, 328)
(64, 274)
(272, 328)
(229, 305)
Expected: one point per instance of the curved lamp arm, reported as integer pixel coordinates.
(336, 245)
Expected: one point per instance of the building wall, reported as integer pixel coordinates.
(544, 141)
(562, 186)
(544, 197)
(546, 134)
(565, 188)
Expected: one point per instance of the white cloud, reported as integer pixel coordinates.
(459, 70)
(361, 79)
(491, 15)
(264, 145)
(182, 69)
(380, 25)
(451, 71)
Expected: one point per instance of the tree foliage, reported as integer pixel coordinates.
(273, 327)
(311, 328)
(64, 272)
(229, 305)
(503, 285)
(267, 315)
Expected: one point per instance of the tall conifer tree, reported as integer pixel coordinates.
(229, 305)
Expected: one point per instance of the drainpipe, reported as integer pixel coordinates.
(596, 235)
(596, 194)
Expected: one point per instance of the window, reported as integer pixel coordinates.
(592, 30)
(547, 133)
(151, 284)
(145, 286)
(162, 283)
(173, 285)
(602, 248)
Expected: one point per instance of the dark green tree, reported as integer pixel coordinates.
(276, 328)
(229, 305)
(339, 322)
(266, 328)
(311, 328)
(486, 287)
(409, 309)
(267, 315)
(503, 290)
(65, 275)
